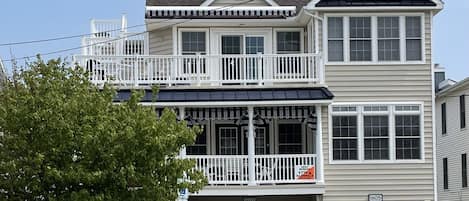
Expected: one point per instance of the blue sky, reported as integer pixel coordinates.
(23, 20)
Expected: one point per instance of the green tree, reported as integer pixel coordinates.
(62, 138)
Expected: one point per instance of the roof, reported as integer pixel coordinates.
(297, 3)
(459, 85)
(231, 94)
(364, 3)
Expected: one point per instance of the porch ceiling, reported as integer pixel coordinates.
(233, 96)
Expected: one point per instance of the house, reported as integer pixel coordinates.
(452, 139)
(298, 100)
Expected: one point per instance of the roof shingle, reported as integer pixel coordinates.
(355, 3)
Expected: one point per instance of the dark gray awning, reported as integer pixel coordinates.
(364, 3)
(231, 95)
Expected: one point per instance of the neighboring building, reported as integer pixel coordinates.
(452, 122)
(299, 100)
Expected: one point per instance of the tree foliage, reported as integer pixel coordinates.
(62, 138)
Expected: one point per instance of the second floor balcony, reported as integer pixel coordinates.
(210, 70)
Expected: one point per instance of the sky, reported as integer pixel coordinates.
(25, 20)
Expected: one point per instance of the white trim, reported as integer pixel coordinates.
(293, 29)
(375, 8)
(217, 33)
(272, 2)
(374, 38)
(434, 155)
(391, 112)
(207, 2)
(262, 190)
(237, 103)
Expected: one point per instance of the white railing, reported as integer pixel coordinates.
(125, 44)
(203, 69)
(269, 169)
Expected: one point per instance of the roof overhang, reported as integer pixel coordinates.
(219, 12)
(233, 97)
(464, 84)
(438, 6)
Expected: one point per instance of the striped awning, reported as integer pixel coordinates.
(287, 112)
(165, 12)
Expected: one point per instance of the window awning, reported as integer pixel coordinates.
(213, 12)
(230, 97)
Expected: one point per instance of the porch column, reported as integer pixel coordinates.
(251, 148)
(182, 115)
(319, 158)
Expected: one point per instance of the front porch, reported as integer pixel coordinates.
(256, 146)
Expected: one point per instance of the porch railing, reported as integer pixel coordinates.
(269, 169)
(203, 69)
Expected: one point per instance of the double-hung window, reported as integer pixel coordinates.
(360, 39)
(288, 42)
(374, 39)
(462, 111)
(345, 134)
(377, 132)
(388, 39)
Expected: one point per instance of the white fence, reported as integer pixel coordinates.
(202, 69)
(269, 169)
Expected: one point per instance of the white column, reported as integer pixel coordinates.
(319, 154)
(251, 148)
(182, 115)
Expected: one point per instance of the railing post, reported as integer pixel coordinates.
(321, 69)
(182, 116)
(251, 148)
(319, 156)
(260, 79)
(198, 70)
(136, 69)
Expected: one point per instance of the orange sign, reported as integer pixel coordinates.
(305, 172)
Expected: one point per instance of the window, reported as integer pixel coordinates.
(290, 138)
(193, 43)
(200, 145)
(360, 39)
(464, 170)
(376, 137)
(288, 42)
(407, 136)
(445, 173)
(443, 118)
(413, 38)
(462, 111)
(388, 39)
(385, 132)
(335, 39)
(345, 138)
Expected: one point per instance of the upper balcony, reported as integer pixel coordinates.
(234, 57)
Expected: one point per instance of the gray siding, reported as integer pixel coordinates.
(382, 83)
(452, 145)
(161, 42)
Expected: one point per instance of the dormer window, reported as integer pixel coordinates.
(387, 38)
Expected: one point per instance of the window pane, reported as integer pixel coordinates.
(377, 149)
(231, 44)
(462, 111)
(290, 140)
(407, 125)
(335, 27)
(200, 145)
(408, 148)
(360, 50)
(414, 49)
(335, 50)
(376, 126)
(445, 173)
(388, 27)
(388, 50)
(443, 118)
(344, 126)
(464, 170)
(345, 149)
(193, 42)
(413, 26)
(288, 42)
(360, 27)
